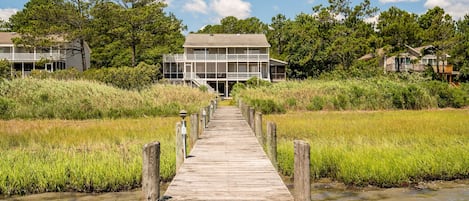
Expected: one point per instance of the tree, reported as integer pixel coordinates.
(277, 35)
(131, 31)
(438, 26)
(233, 25)
(439, 31)
(43, 23)
(460, 52)
(398, 28)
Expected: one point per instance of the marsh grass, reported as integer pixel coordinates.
(382, 148)
(58, 99)
(366, 94)
(84, 156)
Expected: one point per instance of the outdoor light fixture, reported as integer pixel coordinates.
(183, 115)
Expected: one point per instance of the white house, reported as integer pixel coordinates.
(26, 59)
(221, 60)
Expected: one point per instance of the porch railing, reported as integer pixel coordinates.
(216, 57)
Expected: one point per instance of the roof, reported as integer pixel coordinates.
(277, 62)
(6, 37)
(226, 40)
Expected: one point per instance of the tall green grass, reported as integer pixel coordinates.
(84, 156)
(368, 94)
(32, 98)
(385, 149)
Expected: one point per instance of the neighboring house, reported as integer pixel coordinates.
(416, 60)
(26, 59)
(221, 60)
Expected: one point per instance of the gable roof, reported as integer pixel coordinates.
(6, 38)
(226, 40)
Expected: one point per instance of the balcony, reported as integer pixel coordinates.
(216, 58)
(240, 76)
(31, 56)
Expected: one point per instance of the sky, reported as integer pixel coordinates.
(198, 13)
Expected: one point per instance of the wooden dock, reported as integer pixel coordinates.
(227, 163)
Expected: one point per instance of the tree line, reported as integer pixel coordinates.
(329, 39)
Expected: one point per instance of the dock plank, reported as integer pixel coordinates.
(227, 163)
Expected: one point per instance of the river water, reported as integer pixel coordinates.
(438, 190)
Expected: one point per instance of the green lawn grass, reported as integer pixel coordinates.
(382, 148)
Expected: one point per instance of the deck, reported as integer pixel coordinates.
(227, 163)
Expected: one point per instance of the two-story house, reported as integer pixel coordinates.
(25, 59)
(221, 60)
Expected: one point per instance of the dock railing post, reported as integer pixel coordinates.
(201, 121)
(252, 113)
(179, 147)
(212, 109)
(302, 179)
(271, 141)
(208, 115)
(194, 129)
(151, 171)
(258, 127)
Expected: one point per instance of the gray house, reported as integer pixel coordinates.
(25, 59)
(221, 60)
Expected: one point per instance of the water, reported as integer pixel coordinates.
(324, 190)
(437, 190)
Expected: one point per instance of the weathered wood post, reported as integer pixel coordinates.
(212, 109)
(208, 115)
(252, 113)
(194, 129)
(246, 111)
(258, 127)
(151, 171)
(301, 173)
(271, 142)
(179, 147)
(202, 121)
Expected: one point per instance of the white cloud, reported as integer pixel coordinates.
(197, 6)
(456, 8)
(310, 1)
(238, 8)
(5, 13)
(397, 1)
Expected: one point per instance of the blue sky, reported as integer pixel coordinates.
(197, 13)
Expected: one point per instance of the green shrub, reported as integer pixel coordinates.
(267, 106)
(257, 82)
(317, 103)
(203, 88)
(291, 102)
(6, 107)
(5, 69)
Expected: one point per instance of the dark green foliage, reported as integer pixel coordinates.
(125, 77)
(5, 69)
(130, 78)
(6, 107)
(448, 96)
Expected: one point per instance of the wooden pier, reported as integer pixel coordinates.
(227, 163)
